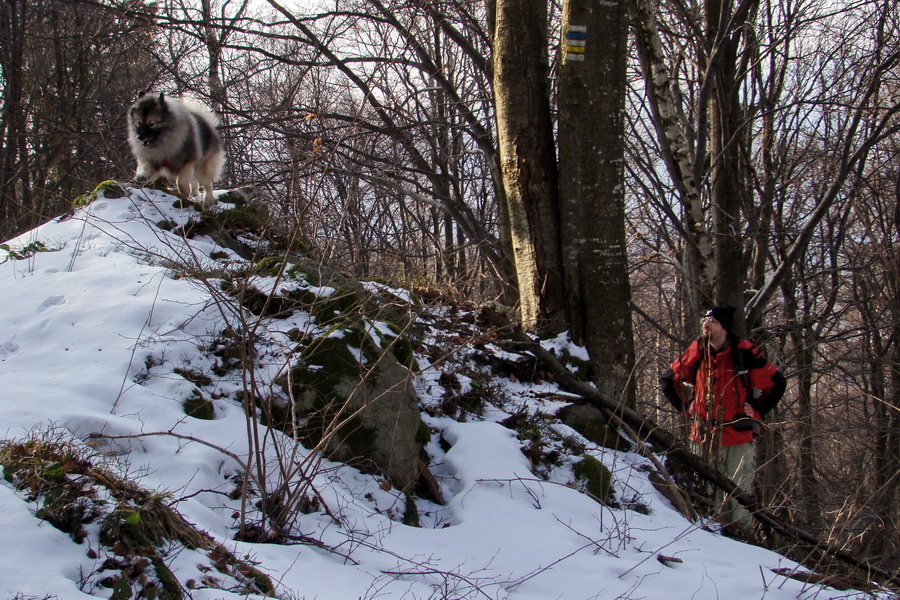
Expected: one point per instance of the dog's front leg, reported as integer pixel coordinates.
(145, 173)
(184, 181)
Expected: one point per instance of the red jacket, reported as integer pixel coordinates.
(714, 372)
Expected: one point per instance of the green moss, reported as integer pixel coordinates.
(183, 203)
(581, 368)
(358, 441)
(261, 583)
(334, 369)
(423, 434)
(199, 407)
(269, 266)
(233, 197)
(171, 589)
(329, 373)
(254, 217)
(411, 513)
(402, 348)
(340, 304)
(107, 189)
(297, 272)
(329, 361)
(160, 183)
(596, 478)
(275, 414)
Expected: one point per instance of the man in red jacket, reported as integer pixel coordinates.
(725, 386)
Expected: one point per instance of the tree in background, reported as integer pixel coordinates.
(770, 121)
(68, 73)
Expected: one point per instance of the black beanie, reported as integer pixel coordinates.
(724, 315)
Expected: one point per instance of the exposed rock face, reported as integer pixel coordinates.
(357, 402)
(590, 422)
(352, 391)
(391, 410)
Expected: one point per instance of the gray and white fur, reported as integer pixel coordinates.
(176, 138)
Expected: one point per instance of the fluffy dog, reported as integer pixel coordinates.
(176, 138)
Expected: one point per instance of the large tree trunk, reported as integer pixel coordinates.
(727, 190)
(591, 188)
(528, 160)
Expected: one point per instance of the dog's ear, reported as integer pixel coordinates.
(142, 94)
(162, 100)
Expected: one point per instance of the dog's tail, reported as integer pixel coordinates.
(195, 107)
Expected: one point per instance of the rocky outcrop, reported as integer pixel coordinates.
(355, 401)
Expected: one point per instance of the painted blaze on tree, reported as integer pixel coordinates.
(592, 91)
(567, 216)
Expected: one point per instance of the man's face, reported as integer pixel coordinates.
(711, 327)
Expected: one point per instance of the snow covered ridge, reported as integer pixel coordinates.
(118, 363)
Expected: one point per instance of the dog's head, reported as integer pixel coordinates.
(150, 117)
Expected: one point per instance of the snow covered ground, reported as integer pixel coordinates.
(93, 326)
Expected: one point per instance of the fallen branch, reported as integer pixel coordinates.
(668, 488)
(646, 429)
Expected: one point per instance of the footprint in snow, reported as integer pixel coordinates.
(8, 349)
(51, 302)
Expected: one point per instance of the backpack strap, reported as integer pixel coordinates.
(738, 356)
(741, 421)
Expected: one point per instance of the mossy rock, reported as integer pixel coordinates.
(220, 226)
(423, 434)
(326, 308)
(184, 203)
(331, 374)
(589, 421)
(347, 373)
(270, 266)
(581, 368)
(597, 479)
(402, 347)
(199, 407)
(263, 305)
(333, 359)
(272, 412)
(108, 189)
(253, 217)
(240, 196)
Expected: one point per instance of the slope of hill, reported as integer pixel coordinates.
(122, 384)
